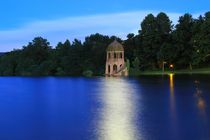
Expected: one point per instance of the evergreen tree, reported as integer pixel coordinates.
(182, 36)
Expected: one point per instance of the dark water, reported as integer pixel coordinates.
(147, 108)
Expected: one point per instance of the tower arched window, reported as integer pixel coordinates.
(109, 55)
(121, 55)
(115, 55)
(115, 68)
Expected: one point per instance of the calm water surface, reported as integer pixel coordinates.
(144, 108)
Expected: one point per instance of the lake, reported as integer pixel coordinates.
(145, 108)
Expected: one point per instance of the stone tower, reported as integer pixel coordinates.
(115, 63)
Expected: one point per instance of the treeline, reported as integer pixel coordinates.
(186, 45)
(38, 58)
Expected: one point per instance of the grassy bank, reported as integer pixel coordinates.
(184, 71)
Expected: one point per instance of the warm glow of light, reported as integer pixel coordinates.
(117, 118)
(201, 103)
(171, 76)
(172, 98)
(171, 65)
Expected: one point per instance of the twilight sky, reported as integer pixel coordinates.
(57, 20)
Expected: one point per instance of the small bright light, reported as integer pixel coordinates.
(171, 78)
(171, 66)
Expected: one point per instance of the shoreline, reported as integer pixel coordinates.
(177, 72)
(201, 71)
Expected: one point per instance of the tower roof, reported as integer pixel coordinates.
(115, 46)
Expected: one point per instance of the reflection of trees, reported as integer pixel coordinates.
(201, 103)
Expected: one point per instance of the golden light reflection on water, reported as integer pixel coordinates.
(172, 103)
(117, 118)
(171, 77)
(172, 97)
(201, 103)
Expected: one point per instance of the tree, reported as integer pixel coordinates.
(9, 63)
(186, 45)
(201, 39)
(95, 53)
(130, 46)
(166, 50)
(38, 50)
(63, 48)
(149, 47)
(166, 53)
(135, 70)
(196, 41)
(155, 31)
(182, 36)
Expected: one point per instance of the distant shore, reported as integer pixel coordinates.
(184, 71)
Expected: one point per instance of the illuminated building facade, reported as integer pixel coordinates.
(115, 63)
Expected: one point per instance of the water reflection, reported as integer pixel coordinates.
(201, 103)
(172, 97)
(173, 113)
(117, 117)
(171, 83)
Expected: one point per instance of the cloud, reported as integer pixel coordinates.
(119, 24)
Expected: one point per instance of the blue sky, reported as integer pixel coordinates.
(57, 20)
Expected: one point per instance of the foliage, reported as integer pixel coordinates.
(88, 73)
(135, 70)
(186, 45)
